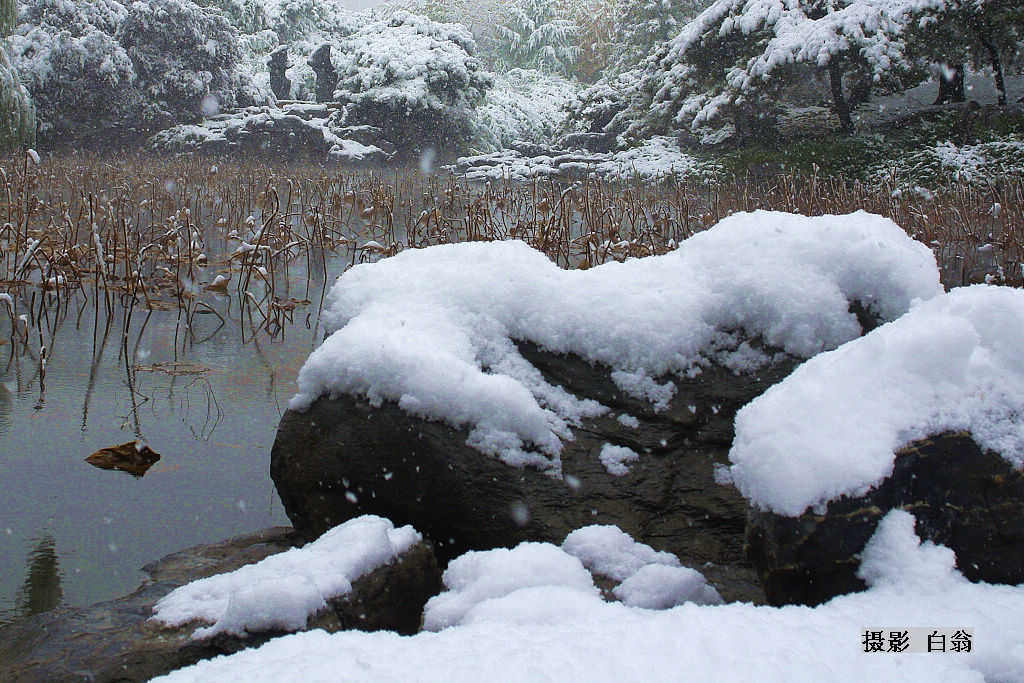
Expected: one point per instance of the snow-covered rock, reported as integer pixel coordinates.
(658, 158)
(925, 413)
(442, 357)
(283, 591)
(494, 584)
(296, 129)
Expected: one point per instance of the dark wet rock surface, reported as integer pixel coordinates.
(962, 497)
(114, 641)
(344, 458)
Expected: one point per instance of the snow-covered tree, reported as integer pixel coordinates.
(739, 54)
(74, 67)
(627, 87)
(643, 25)
(184, 54)
(953, 32)
(17, 113)
(8, 16)
(414, 78)
(536, 35)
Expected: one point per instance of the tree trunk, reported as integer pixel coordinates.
(985, 38)
(835, 75)
(951, 88)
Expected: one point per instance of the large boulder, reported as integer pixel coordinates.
(963, 497)
(117, 641)
(344, 457)
(487, 397)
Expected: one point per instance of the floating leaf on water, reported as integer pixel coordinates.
(134, 457)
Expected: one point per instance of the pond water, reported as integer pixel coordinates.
(73, 534)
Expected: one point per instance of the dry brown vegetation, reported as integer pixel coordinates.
(142, 233)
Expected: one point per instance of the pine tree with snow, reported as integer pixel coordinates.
(642, 25)
(737, 56)
(988, 33)
(537, 35)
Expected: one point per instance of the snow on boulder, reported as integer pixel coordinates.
(646, 577)
(657, 586)
(284, 590)
(609, 551)
(925, 414)
(953, 363)
(431, 328)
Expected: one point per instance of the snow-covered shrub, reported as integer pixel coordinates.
(77, 16)
(414, 78)
(977, 164)
(73, 66)
(96, 65)
(524, 104)
(598, 105)
(185, 55)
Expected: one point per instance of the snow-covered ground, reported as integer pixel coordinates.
(532, 614)
(978, 85)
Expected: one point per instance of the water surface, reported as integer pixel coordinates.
(73, 534)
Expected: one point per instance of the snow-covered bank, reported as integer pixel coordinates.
(952, 363)
(658, 158)
(432, 329)
(559, 632)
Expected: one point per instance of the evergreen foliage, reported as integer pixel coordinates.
(415, 79)
(17, 112)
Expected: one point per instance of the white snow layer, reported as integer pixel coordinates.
(833, 426)
(431, 329)
(493, 585)
(614, 459)
(481, 577)
(607, 550)
(284, 589)
(647, 577)
(559, 633)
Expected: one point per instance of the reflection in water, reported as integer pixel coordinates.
(42, 590)
(5, 409)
